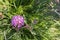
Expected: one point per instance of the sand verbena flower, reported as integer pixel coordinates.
(17, 21)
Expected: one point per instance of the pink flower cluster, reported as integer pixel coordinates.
(17, 21)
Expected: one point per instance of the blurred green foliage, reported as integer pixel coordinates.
(46, 26)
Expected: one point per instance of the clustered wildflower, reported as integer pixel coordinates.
(17, 21)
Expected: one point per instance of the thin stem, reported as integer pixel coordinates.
(5, 35)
